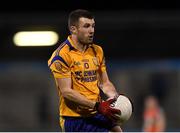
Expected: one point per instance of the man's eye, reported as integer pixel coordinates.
(86, 26)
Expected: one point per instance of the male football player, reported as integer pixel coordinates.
(78, 66)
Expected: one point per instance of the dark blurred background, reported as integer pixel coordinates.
(141, 45)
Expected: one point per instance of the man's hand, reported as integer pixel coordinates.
(106, 109)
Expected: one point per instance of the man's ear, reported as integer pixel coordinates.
(73, 29)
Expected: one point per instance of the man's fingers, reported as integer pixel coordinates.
(118, 116)
(111, 100)
(114, 117)
(116, 111)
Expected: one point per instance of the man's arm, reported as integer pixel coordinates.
(107, 86)
(72, 95)
(110, 91)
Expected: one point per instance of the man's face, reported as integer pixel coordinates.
(85, 30)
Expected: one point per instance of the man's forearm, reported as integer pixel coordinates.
(76, 97)
(109, 90)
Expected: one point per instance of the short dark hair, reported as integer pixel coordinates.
(76, 14)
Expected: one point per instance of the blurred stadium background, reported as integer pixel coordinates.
(141, 44)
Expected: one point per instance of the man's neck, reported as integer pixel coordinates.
(81, 47)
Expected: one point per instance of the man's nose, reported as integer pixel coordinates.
(91, 30)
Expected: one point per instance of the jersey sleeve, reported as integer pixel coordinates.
(101, 59)
(59, 66)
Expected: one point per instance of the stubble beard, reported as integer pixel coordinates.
(84, 42)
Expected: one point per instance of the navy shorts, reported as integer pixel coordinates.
(96, 123)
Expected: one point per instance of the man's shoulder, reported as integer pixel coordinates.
(97, 46)
(62, 49)
(60, 53)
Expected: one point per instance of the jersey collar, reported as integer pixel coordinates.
(70, 43)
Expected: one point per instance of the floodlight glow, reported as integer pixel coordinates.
(35, 38)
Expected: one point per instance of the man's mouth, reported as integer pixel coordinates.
(90, 37)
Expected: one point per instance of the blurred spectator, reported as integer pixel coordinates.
(153, 117)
